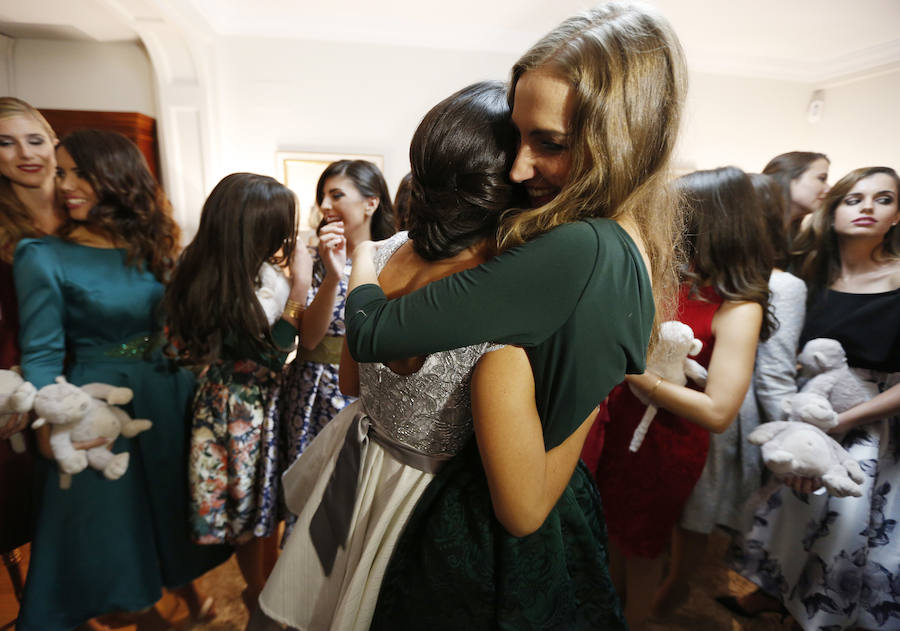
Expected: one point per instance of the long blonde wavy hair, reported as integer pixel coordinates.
(627, 70)
(15, 221)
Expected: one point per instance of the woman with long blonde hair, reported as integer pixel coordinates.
(28, 208)
(510, 534)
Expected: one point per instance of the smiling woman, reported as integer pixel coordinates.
(509, 534)
(77, 193)
(27, 167)
(543, 116)
(356, 207)
(28, 208)
(89, 312)
(26, 151)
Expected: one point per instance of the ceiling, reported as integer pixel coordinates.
(802, 40)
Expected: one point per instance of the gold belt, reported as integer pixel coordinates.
(328, 351)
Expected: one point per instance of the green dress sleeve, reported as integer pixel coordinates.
(284, 333)
(39, 288)
(519, 297)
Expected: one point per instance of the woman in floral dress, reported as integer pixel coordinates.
(241, 346)
(833, 562)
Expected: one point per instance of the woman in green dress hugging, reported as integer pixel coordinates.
(88, 302)
(509, 534)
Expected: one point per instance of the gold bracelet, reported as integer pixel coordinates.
(293, 309)
(659, 380)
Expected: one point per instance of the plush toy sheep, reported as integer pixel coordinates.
(84, 414)
(811, 408)
(16, 397)
(824, 362)
(670, 360)
(803, 449)
(273, 291)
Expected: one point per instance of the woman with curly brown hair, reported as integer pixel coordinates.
(89, 309)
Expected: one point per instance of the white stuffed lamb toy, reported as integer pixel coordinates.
(84, 414)
(670, 360)
(272, 292)
(16, 397)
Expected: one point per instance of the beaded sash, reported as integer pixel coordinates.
(136, 348)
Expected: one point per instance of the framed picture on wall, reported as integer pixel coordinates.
(300, 171)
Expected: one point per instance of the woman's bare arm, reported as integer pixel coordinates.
(319, 314)
(736, 328)
(880, 406)
(525, 481)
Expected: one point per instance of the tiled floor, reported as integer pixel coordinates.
(701, 613)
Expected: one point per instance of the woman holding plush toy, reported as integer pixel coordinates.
(724, 299)
(89, 308)
(29, 207)
(833, 562)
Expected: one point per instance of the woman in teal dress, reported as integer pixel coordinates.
(89, 310)
(510, 534)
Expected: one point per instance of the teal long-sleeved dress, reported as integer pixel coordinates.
(105, 545)
(578, 299)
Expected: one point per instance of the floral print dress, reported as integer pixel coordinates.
(835, 562)
(234, 453)
(234, 462)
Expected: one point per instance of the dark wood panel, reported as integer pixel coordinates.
(140, 128)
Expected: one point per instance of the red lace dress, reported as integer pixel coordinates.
(643, 493)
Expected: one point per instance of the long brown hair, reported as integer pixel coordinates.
(787, 167)
(460, 157)
(770, 197)
(131, 207)
(247, 219)
(726, 238)
(816, 255)
(16, 222)
(628, 76)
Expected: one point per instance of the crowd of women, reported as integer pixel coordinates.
(424, 447)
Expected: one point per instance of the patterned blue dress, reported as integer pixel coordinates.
(835, 562)
(310, 396)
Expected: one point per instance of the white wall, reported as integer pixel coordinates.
(860, 124)
(742, 122)
(300, 95)
(54, 74)
(292, 95)
(745, 122)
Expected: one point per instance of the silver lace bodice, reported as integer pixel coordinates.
(429, 410)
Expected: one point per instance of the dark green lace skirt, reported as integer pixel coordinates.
(455, 567)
